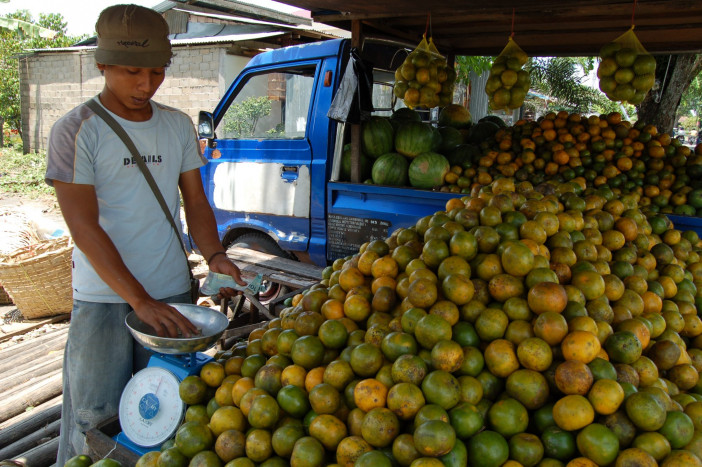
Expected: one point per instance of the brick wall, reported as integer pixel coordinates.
(52, 83)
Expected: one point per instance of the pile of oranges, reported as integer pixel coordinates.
(594, 152)
(519, 327)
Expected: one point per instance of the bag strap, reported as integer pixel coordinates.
(120, 131)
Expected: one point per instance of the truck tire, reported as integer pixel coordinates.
(261, 242)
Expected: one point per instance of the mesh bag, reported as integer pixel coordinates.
(508, 83)
(626, 70)
(424, 79)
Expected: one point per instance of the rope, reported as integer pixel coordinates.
(633, 12)
(512, 32)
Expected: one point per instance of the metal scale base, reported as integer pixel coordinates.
(150, 409)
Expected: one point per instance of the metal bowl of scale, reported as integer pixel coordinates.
(211, 324)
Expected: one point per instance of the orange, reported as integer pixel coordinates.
(598, 443)
(573, 412)
(501, 358)
(551, 327)
(350, 449)
(351, 277)
(324, 398)
(293, 374)
(645, 411)
(635, 457)
(328, 430)
(332, 309)
(314, 377)
(580, 345)
(528, 387)
(212, 373)
(547, 297)
(380, 426)
(573, 377)
(606, 395)
(369, 394)
(535, 354)
(405, 400)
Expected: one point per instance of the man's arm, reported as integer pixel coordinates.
(203, 226)
(80, 210)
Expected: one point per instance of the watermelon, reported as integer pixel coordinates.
(464, 155)
(455, 116)
(405, 114)
(450, 138)
(366, 165)
(377, 136)
(428, 170)
(482, 131)
(494, 119)
(390, 169)
(436, 139)
(414, 138)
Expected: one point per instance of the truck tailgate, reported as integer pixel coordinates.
(358, 213)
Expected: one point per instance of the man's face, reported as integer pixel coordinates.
(132, 87)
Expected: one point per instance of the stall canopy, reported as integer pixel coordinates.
(541, 27)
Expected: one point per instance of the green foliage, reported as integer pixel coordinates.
(241, 119)
(23, 173)
(13, 42)
(466, 64)
(691, 100)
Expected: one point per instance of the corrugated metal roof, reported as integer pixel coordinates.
(180, 42)
(227, 38)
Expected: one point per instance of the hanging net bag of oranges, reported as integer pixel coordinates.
(424, 79)
(508, 83)
(626, 71)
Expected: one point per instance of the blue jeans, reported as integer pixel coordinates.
(99, 359)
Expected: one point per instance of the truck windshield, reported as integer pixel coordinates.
(270, 105)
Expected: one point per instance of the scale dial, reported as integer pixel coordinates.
(150, 409)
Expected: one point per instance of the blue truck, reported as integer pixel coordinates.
(274, 157)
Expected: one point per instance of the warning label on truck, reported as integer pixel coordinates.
(346, 234)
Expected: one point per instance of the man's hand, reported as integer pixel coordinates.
(165, 319)
(223, 265)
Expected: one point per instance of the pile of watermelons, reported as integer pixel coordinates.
(598, 151)
(524, 326)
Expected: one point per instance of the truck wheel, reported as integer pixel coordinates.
(261, 242)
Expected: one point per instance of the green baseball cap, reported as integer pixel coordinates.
(132, 35)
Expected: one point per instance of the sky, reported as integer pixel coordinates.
(81, 15)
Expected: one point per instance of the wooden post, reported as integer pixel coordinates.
(31, 441)
(41, 417)
(44, 454)
(356, 127)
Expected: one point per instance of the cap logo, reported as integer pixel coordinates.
(127, 44)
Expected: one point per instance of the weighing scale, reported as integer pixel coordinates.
(150, 409)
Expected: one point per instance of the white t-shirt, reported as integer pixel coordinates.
(83, 149)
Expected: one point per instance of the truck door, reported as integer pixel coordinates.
(258, 174)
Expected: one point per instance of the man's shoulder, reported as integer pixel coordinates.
(172, 111)
(74, 119)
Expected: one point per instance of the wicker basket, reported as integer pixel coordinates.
(16, 231)
(38, 278)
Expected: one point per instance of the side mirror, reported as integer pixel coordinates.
(205, 125)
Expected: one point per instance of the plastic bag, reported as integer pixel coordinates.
(508, 83)
(424, 79)
(353, 101)
(626, 71)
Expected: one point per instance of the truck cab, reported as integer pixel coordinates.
(274, 157)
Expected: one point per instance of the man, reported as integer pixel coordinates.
(127, 256)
